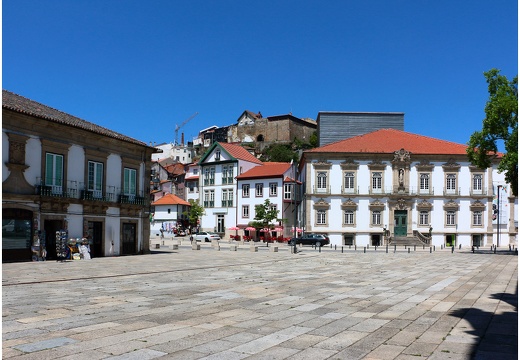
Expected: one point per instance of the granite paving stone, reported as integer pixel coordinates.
(330, 305)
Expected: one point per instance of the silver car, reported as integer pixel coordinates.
(206, 236)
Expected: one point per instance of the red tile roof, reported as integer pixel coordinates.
(390, 140)
(170, 199)
(240, 153)
(268, 170)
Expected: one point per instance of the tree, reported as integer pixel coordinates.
(264, 214)
(500, 124)
(194, 212)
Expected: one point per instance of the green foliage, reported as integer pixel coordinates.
(265, 214)
(195, 212)
(313, 141)
(278, 153)
(500, 124)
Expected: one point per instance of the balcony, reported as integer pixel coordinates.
(131, 199)
(451, 192)
(227, 203)
(321, 190)
(349, 191)
(70, 190)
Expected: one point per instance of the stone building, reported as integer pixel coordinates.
(62, 173)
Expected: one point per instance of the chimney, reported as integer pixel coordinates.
(182, 139)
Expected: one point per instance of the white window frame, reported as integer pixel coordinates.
(477, 182)
(377, 182)
(259, 190)
(321, 217)
(451, 217)
(95, 178)
(424, 183)
(321, 181)
(376, 217)
(54, 168)
(477, 218)
(348, 217)
(349, 182)
(424, 218)
(451, 183)
(245, 190)
(245, 211)
(129, 182)
(288, 191)
(273, 189)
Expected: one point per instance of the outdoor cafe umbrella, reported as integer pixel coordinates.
(236, 228)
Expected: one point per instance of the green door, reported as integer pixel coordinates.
(400, 220)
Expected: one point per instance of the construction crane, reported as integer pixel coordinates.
(177, 127)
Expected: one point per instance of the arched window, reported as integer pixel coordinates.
(260, 137)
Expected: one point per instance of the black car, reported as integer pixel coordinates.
(311, 239)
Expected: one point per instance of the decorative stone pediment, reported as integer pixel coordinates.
(477, 206)
(349, 164)
(424, 165)
(451, 205)
(322, 164)
(321, 204)
(402, 156)
(424, 205)
(376, 164)
(377, 205)
(349, 204)
(473, 168)
(451, 165)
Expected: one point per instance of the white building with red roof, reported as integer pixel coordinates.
(219, 166)
(168, 214)
(394, 187)
(272, 181)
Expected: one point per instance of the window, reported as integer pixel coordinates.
(376, 217)
(321, 217)
(259, 190)
(129, 181)
(450, 217)
(477, 183)
(227, 174)
(322, 181)
(348, 217)
(54, 172)
(424, 185)
(227, 198)
(451, 183)
(217, 155)
(287, 191)
(274, 207)
(273, 189)
(377, 182)
(245, 211)
(424, 217)
(209, 176)
(209, 198)
(349, 182)
(477, 218)
(245, 190)
(95, 179)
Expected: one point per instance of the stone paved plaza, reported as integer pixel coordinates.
(214, 303)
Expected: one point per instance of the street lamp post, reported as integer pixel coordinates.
(498, 215)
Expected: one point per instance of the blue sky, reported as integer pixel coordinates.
(143, 67)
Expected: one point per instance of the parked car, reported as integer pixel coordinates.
(206, 236)
(311, 239)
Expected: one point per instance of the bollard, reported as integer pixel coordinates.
(320, 249)
(395, 248)
(430, 249)
(334, 247)
(423, 247)
(364, 249)
(408, 250)
(495, 251)
(473, 249)
(460, 246)
(452, 249)
(349, 247)
(414, 247)
(355, 247)
(387, 249)
(375, 248)
(491, 248)
(342, 249)
(434, 247)
(331, 246)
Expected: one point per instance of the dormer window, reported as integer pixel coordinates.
(217, 155)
